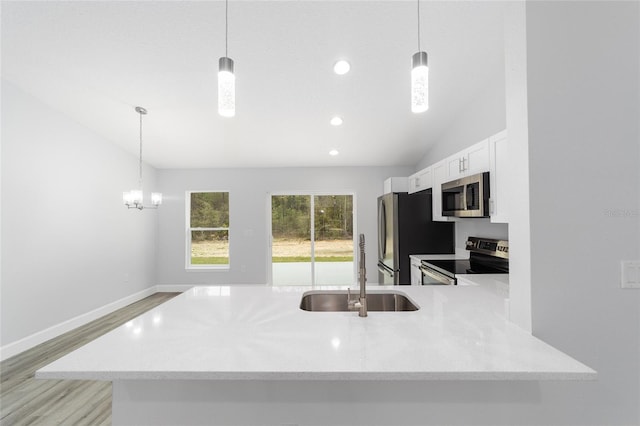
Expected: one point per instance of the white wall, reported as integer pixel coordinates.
(583, 73)
(67, 240)
(249, 189)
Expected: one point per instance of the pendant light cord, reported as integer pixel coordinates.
(226, 27)
(419, 26)
(140, 157)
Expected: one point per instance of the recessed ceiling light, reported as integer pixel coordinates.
(341, 67)
(333, 152)
(336, 121)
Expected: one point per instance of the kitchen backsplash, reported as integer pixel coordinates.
(479, 228)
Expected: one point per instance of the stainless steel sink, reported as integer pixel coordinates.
(337, 301)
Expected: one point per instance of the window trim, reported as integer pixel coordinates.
(188, 229)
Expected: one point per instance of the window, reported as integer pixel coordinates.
(208, 230)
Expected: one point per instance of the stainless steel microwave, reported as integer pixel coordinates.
(467, 196)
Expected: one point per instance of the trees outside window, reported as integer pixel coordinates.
(208, 229)
(312, 239)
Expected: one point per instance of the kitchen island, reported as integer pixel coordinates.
(249, 355)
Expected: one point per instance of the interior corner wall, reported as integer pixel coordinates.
(249, 190)
(518, 166)
(583, 68)
(69, 246)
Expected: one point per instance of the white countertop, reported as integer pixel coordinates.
(456, 256)
(488, 281)
(259, 332)
(497, 283)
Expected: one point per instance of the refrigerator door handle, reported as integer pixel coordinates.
(384, 269)
(382, 230)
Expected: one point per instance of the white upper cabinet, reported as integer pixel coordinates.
(421, 180)
(498, 204)
(489, 155)
(469, 161)
(395, 184)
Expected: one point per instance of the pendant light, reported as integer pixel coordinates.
(419, 77)
(226, 78)
(134, 199)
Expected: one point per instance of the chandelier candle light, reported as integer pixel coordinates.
(134, 199)
(226, 78)
(419, 77)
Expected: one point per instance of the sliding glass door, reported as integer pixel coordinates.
(291, 245)
(312, 239)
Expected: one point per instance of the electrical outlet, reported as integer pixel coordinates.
(630, 273)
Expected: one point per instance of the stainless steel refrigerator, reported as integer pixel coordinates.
(406, 227)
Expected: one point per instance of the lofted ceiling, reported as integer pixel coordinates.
(95, 61)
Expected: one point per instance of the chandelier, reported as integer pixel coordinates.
(134, 199)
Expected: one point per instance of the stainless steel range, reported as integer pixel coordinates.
(486, 256)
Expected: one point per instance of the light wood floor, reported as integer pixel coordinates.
(27, 401)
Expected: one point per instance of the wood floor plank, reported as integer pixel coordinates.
(27, 401)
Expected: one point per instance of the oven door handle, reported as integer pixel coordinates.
(441, 278)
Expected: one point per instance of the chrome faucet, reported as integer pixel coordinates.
(361, 302)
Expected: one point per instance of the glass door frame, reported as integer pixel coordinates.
(312, 195)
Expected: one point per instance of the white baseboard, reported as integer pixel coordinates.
(34, 339)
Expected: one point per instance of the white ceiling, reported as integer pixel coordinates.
(95, 61)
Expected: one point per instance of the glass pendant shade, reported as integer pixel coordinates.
(156, 198)
(226, 88)
(419, 83)
(137, 196)
(127, 198)
(133, 197)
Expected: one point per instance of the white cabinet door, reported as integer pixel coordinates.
(416, 274)
(420, 181)
(469, 161)
(498, 204)
(454, 166)
(476, 158)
